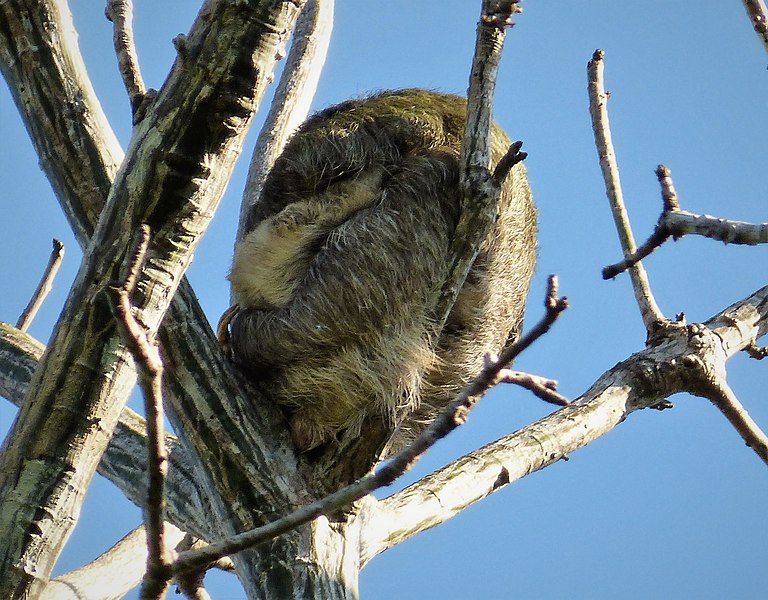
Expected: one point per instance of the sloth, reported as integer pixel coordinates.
(337, 279)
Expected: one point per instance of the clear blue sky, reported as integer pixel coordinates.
(668, 505)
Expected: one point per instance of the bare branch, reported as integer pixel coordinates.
(43, 288)
(125, 461)
(111, 575)
(293, 98)
(598, 100)
(641, 381)
(513, 156)
(480, 189)
(149, 364)
(759, 17)
(757, 352)
(542, 387)
(451, 417)
(120, 12)
(676, 223)
(186, 175)
(680, 223)
(715, 388)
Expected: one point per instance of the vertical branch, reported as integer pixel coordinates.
(149, 366)
(480, 189)
(43, 288)
(598, 100)
(120, 12)
(293, 97)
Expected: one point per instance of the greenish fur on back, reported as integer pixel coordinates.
(346, 253)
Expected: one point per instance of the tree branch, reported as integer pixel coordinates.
(759, 17)
(715, 388)
(111, 575)
(293, 98)
(146, 355)
(175, 183)
(641, 381)
(675, 223)
(480, 189)
(124, 463)
(120, 13)
(43, 288)
(40, 60)
(598, 110)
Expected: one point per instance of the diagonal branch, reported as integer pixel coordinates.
(759, 17)
(146, 355)
(79, 152)
(120, 13)
(293, 98)
(598, 110)
(173, 183)
(113, 574)
(44, 288)
(675, 223)
(641, 381)
(715, 388)
(124, 462)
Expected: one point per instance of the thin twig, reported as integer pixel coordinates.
(149, 365)
(513, 156)
(480, 189)
(43, 288)
(598, 99)
(120, 12)
(716, 389)
(759, 17)
(541, 386)
(675, 223)
(757, 352)
(192, 583)
(451, 417)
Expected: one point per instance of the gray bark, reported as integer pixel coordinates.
(235, 460)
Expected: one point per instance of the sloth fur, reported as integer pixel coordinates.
(346, 252)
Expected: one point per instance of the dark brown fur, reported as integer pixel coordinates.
(347, 251)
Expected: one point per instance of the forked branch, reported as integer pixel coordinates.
(675, 223)
(453, 416)
(641, 381)
(598, 109)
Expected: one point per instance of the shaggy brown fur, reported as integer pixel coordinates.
(338, 277)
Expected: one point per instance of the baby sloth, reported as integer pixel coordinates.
(337, 280)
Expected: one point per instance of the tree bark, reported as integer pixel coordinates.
(172, 179)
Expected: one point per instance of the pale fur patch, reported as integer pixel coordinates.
(271, 260)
